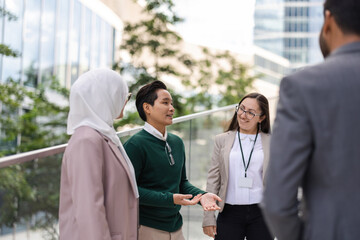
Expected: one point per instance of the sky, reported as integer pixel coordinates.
(223, 24)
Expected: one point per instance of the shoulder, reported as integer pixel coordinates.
(85, 141)
(137, 137)
(175, 139)
(317, 74)
(86, 135)
(265, 137)
(223, 136)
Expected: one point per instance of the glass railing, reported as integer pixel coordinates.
(42, 168)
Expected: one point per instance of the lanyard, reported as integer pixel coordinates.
(242, 153)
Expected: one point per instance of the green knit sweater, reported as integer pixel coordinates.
(157, 180)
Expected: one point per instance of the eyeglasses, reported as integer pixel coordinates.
(128, 96)
(168, 152)
(249, 115)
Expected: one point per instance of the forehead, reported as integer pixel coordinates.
(251, 103)
(163, 94)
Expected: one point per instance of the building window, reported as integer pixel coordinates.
(85, 41)
(75, 41)
(62, 40)
(55, 37)
(47, 42)
(11, 67)
(95, 42)
(31, 49)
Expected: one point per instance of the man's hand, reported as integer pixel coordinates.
(184, 199)
(208, 201)
(210, 231)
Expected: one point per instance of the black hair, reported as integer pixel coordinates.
(148, 94)
(264, 106)
(346, 14)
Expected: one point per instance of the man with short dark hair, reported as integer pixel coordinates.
(159, 162)
(315, 144)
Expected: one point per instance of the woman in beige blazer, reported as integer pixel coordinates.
(98, 193)
(237, 172)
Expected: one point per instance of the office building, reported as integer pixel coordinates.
(290, 29)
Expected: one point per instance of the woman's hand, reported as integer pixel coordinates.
(208, 202)
(210, 231)
(184, 199)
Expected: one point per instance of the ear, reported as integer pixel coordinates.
(146, 107)
(328, 21)
(262, 118)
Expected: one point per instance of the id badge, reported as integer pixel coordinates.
(245, 182)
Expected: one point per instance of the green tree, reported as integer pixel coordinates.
(5, 49)
(30, 120)
(157, 53)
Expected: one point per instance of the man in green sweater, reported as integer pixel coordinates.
(159, 162)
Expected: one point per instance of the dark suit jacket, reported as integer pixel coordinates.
(315, 145)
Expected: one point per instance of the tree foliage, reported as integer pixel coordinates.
(31, 120)
(157, 53)
(5, 49)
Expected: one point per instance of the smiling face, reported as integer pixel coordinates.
(247, 125)
(161, 113)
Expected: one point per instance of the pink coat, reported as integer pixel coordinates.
(97, 200)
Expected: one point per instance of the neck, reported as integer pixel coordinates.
(344, 39)
(252, 131)
(161, 128)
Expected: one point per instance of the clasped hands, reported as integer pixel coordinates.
(207, 200)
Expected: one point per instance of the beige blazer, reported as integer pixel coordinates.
(217, 181)
(97, 200)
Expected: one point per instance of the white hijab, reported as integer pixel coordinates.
(96, 99)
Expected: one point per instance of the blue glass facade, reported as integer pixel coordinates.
(269, 25)
(289, 28)
(55, 37)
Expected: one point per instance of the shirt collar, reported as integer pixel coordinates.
(251, 137)
(153, 131)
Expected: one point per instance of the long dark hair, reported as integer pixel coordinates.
(264, 106)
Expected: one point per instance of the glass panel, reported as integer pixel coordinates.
(7, 146)
(34, 199)
(95, 42)
(47, 39)
(1, 21)
(85, 41)
(1, 33)
(75, 40)
(102, 49)
(62, 40)
(105, 45)
(12, 32)
(198, 136)
(43, 177)
(117, 43)
(113, 46)
(31, 42)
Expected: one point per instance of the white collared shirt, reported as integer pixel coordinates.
(153, 131)
(236, 195)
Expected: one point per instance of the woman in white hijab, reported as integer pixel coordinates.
(98, 194)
